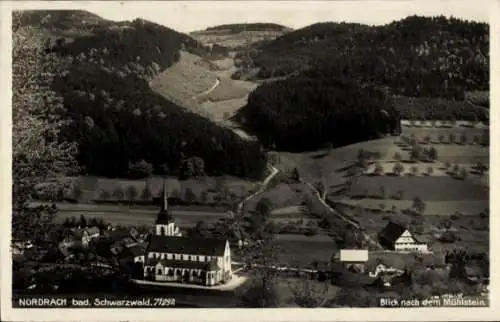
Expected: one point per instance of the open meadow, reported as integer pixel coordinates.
(135, 216)
(181, 82)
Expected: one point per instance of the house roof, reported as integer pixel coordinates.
(187, 245)
(392, 232)
(93, 230)
(354, 255)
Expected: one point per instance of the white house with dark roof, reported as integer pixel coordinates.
(170, 257)
(397, 237)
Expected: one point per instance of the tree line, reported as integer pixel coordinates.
(313, 109)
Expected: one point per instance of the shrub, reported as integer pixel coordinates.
(104, 195)
(448, 237)
(140, 170)
(131, 192)
(118, 193)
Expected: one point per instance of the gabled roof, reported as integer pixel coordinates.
(392, 232)
(187, 245)
(93, 230)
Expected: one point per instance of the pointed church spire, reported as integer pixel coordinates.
(164, 217)
(164, 206)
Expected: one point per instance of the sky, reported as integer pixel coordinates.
(187, 16)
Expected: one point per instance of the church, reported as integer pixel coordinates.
(171, 257)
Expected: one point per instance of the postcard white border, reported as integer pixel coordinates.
(282, 314)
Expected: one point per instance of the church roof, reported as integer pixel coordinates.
(187, 245)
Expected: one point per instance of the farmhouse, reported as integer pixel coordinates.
(353, 260)
(170, 257)
(396, 237)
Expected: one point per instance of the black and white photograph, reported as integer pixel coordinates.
(248, 155)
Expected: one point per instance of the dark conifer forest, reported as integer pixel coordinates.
(416, 56)
(313, 109)
(102, 72)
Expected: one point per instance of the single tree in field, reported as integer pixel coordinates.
(430, 170)
(413, 139)
(427, 139)
(399, 194)
(463, 173)
(394, 209)
(398, 168)
(189, 195)
(481, 167)
(146, 194)
(361, 158)
(432, 153)
(447, 165)
(414, 170)
(295, 175)
(378, 169)
(463, 138)
(83, 221)
(382, 192)
(382, 206)
(451, 138)
(397, 156)
(441, 138)
(455, 169)
(485, 138)
(77, 192)
(418, 205)
(131, 192)
(118, 193)
(415, 153)
(104, 195)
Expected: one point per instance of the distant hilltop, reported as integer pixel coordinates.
(258, 26)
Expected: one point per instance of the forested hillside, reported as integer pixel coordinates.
(314, 109)
(416, 56)
(101, 71)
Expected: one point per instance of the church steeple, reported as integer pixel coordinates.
(164, 206)
(164, 217)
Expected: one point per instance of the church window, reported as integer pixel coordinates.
(162, 230)
(158, 271)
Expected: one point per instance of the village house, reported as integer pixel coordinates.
(170, 257)
(382, 269)
(81, 236)
(397, 237)
(20, 246)
(353, 260)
